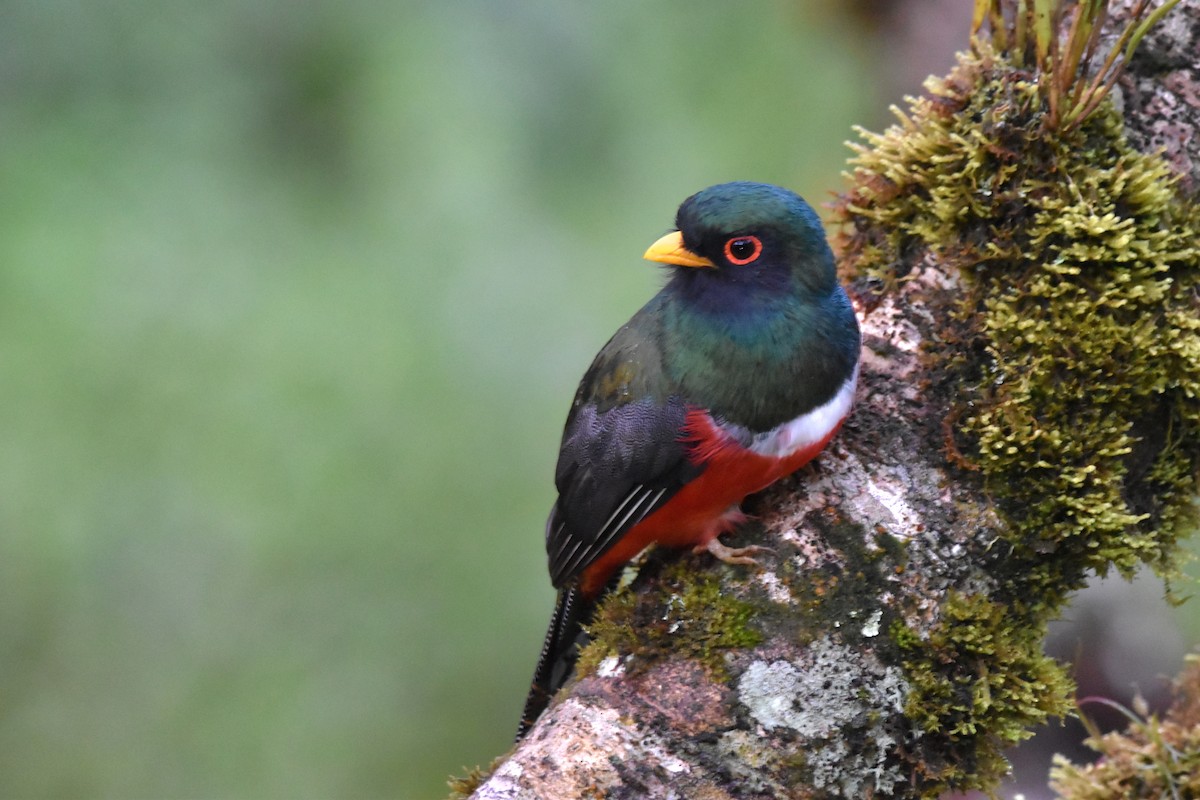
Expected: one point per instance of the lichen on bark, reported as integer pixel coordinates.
(1072, 360)
(1068, 362)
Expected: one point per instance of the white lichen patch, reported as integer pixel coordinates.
(882, 494)
(854, 774)
(610, 667)
(832, 687)
(890, 491)
(871, 628)
(775, 588)
(769, 691)
(832, 694)
(745, 757)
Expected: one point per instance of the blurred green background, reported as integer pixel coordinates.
(293, 299)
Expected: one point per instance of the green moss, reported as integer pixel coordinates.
(691, 618)
(463, 786)
(903, 636)
(1154, 757)
(979, 682)
(1068, 364)
(1071, 360)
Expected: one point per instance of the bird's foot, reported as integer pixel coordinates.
(732, 555)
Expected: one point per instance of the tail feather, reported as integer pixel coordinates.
(560, 650)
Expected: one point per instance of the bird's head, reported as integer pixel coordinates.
(743, 238)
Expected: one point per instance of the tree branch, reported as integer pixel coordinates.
(891, 645)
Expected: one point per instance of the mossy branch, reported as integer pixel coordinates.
(1029, 414)
(1153, 757)
(1060, 40)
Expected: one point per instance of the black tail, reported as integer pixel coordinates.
(559, 652)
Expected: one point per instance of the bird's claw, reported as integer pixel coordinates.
(733, 555)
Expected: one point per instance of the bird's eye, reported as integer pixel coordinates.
(743, 249)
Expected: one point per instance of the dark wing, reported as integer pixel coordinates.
(621, 457)
(615, 469)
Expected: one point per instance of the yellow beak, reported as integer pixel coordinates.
(670, 250)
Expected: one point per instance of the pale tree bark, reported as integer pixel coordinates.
(880, 548)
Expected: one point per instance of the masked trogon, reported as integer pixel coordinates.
(734, 375)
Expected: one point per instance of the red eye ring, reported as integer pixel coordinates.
(743, 249)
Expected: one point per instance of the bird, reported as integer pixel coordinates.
(736, 373)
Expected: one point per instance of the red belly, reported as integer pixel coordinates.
(707, 506)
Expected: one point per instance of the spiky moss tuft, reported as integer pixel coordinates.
(1069, 362)
(978, 683)
(1073, 355)
(692, 618)
(1153, 757)
(463, 786)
